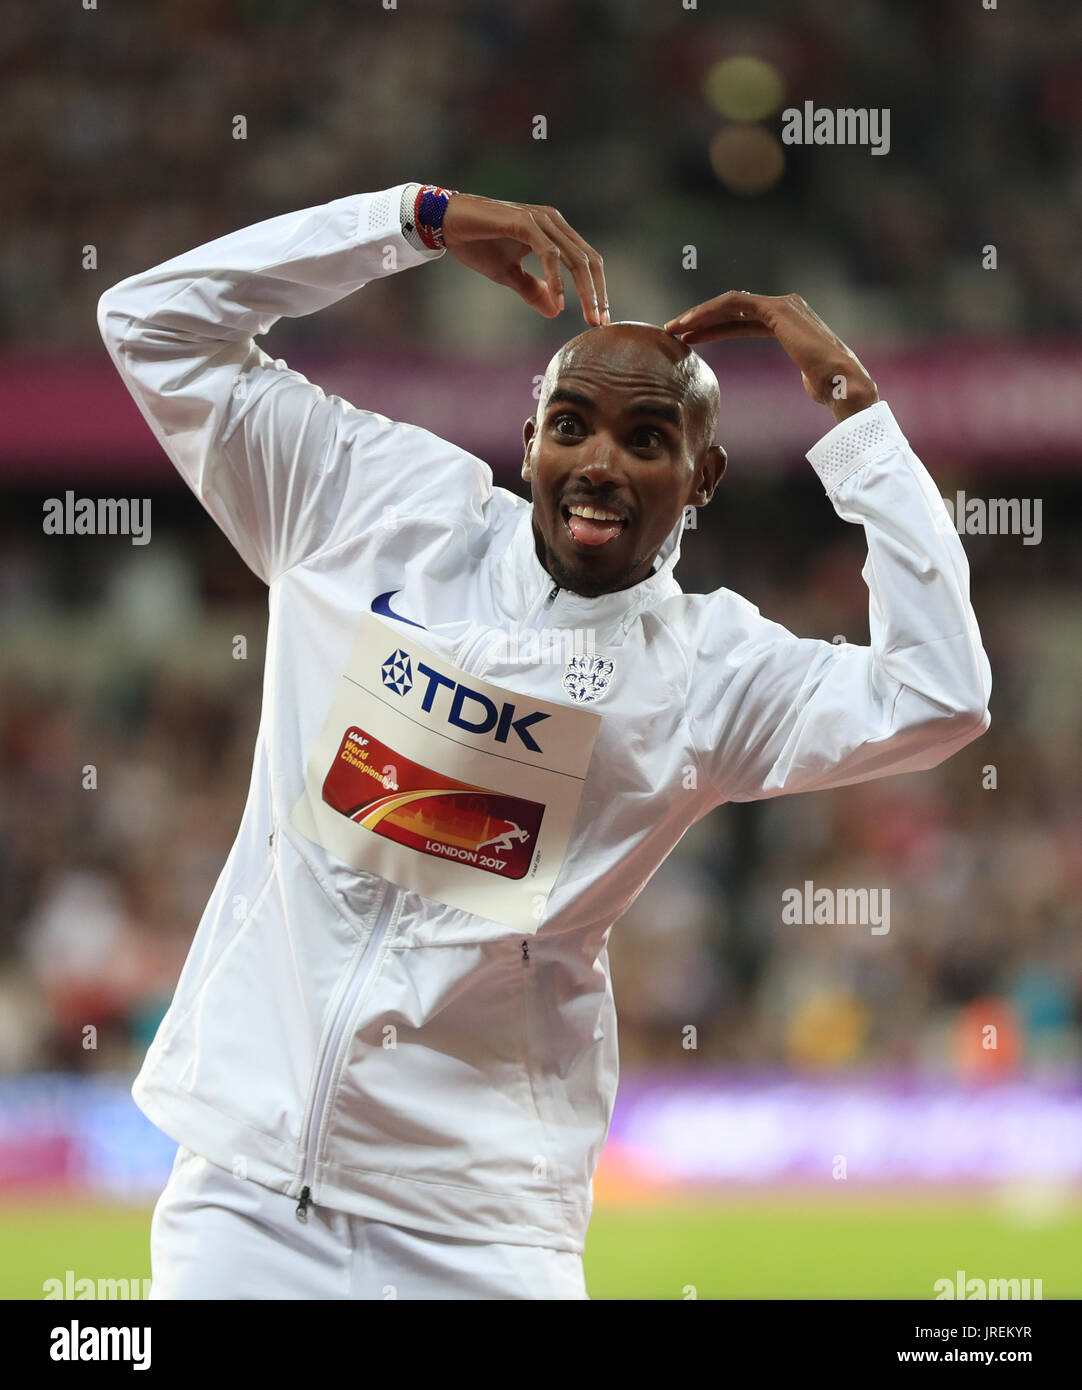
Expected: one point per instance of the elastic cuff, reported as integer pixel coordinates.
(853, 443)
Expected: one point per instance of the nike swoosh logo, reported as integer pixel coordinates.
(381, 604)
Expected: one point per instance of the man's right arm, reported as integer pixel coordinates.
(275, 461)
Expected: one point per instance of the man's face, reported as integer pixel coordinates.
(621, 445)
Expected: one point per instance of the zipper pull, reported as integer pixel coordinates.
(304, 1203)
(525, 953)
(552, 597)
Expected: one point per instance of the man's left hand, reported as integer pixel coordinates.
(832, 373)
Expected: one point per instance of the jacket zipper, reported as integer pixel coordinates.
(538, 617)
(466, 662)
(334, 1040)
(538, 610)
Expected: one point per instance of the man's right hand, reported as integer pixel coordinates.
(494, 238)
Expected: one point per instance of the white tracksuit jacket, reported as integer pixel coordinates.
(355, 1036)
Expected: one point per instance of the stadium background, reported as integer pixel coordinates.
(812, 1043)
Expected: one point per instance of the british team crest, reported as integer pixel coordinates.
(586, 678)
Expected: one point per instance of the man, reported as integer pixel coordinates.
(391, 1059)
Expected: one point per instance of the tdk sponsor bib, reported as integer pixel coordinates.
(441, 783)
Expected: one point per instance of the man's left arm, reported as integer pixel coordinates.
(770, 712)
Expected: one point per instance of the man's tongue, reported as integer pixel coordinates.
(592, 532)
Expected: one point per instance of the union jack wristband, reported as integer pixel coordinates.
(429, 207)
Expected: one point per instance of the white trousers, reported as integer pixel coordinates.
(214, 1236)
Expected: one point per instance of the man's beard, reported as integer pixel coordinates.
(579, 581)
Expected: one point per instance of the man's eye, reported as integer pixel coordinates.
(646, 438)
(562, 420)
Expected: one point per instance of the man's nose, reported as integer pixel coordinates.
(603, 466)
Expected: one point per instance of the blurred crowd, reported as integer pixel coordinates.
(118, 150)
(127, 719)
(126, 731)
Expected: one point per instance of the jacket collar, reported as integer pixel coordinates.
(525, 586)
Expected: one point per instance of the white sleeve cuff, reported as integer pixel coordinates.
(855, 442)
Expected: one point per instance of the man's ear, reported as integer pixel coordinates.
(529, 429)
(711, 472)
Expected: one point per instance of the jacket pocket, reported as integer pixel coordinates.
(434, 1087)
(571, 1055)
(248, 1027)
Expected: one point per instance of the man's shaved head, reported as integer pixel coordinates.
(629, 339)
(622, 442)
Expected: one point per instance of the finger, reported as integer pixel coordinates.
(566, 237)
(715, 333)
(535, 292)
(550, 264)
(527, 229)
(733, 305)
(580, 260)
(685, 320)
